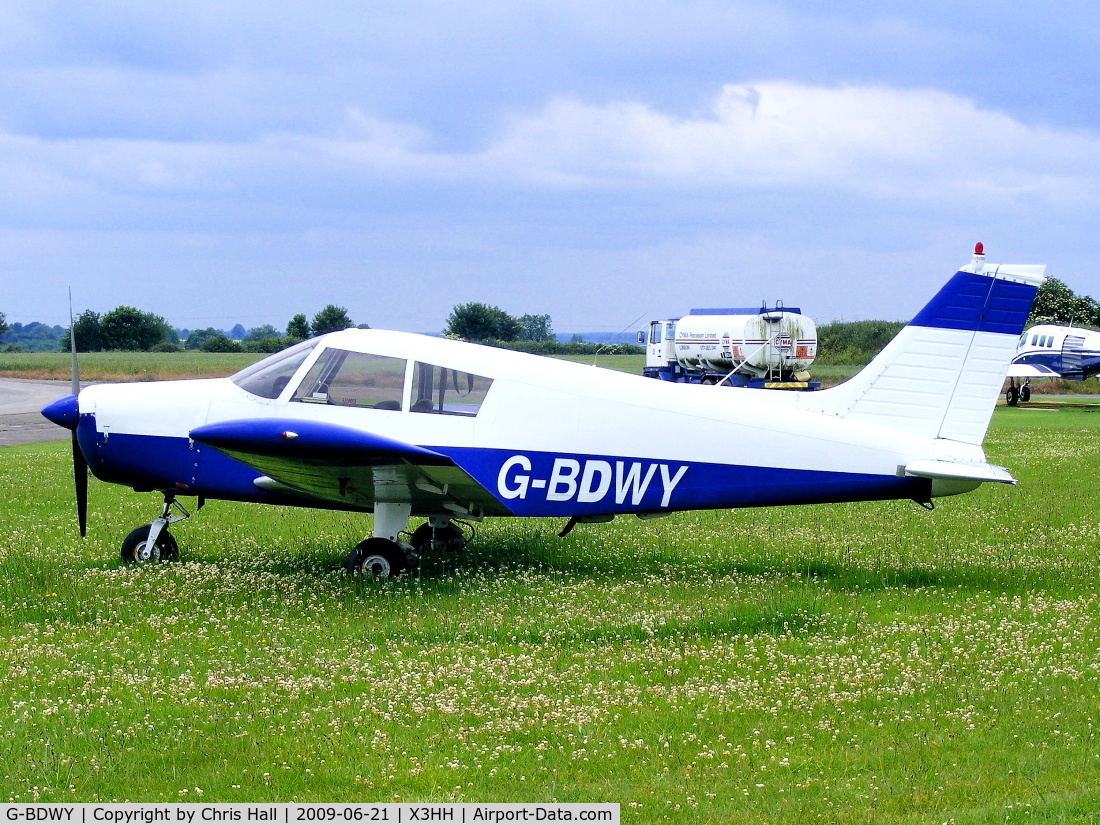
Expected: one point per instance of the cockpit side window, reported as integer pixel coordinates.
(268, 378)
(447, 391)
(354, 379)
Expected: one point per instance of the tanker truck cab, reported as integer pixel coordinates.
(660, 348)
(758, 347)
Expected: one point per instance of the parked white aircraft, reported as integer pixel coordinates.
(1049, 351)
(406, 425)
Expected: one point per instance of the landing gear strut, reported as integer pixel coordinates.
(153, 542)
(383, 555)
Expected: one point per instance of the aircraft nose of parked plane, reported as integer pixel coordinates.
(65, 412)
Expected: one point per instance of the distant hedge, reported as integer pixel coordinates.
(854, 342)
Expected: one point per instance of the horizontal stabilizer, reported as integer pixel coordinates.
(958, 471)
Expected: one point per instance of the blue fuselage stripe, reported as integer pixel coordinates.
(526, 483)
(1052, 359)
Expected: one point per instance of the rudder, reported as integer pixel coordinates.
(941, 375)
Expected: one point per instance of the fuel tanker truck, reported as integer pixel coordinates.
(761, 347)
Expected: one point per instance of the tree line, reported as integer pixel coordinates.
(128, 328)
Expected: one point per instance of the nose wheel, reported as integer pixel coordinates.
(153, 542)
(137, 549)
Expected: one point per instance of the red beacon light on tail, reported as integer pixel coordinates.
(979, 248)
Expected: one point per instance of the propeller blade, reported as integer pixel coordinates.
(80, 481)
(80, 465)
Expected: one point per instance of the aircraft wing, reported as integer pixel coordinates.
(341, 465)
(1031, 371)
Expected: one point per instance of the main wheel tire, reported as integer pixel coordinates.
(1012, 396)
(427, 539)
(1025, 393)
(136, 550)
(376, 557)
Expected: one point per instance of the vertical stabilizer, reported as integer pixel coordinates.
(941, 375)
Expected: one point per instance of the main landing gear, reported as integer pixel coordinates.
(153, 542)
(1014, 395)
(387, 553)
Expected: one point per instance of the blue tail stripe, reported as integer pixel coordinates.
(980, 303)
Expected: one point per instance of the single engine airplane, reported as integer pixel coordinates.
(405, 425)
(1049, 351)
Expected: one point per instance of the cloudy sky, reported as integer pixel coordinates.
(603, 162)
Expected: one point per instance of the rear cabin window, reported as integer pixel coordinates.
(268, 378)
(354, 379)
(447, 392)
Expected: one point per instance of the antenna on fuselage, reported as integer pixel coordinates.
(614, 341)
(72, 346)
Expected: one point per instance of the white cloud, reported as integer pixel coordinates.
(875, 140)
(886, 144)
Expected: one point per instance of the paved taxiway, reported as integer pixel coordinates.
(21, 421)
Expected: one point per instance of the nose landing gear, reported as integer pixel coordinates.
(153, 542)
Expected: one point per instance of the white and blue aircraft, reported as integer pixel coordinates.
(1049, 351)
(404, 425)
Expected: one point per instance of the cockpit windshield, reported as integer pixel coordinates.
(269, 377)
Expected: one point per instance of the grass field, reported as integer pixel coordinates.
(846, 663)
(157, 366)
(125, 366)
